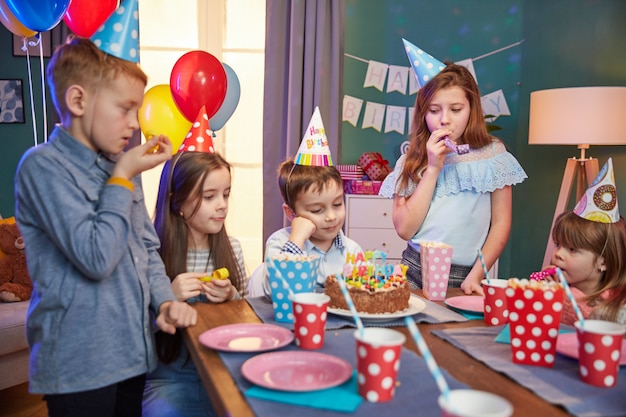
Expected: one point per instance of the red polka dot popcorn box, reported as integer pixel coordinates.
(535, 309)
(436, 259)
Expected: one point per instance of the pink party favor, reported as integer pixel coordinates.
(436, 258)
(534, 315)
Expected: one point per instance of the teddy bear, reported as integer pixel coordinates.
(15, 283)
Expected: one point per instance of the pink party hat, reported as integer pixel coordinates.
(199, 138)
(314, 150)
(119, 34)
(599, 203)
(424, 65)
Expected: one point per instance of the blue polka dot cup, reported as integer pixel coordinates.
(290, 273)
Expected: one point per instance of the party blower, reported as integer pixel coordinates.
(459, 402)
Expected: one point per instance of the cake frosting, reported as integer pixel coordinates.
(374, 285)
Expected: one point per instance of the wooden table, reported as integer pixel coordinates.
(230, 402)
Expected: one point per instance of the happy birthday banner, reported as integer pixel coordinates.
(397, 78)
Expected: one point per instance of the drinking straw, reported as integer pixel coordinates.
(428, 357)
(482, 261)
(279, 275)
(346, 295)
(572, 300)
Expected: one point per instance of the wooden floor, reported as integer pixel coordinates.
(18, 402)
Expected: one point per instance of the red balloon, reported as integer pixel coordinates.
(84, 17)
(198, 79)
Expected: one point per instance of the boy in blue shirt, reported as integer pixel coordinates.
(91, 248)
(312, 191)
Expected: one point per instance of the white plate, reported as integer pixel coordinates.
(296, 370)
(416, 305)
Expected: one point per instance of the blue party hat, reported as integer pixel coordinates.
(119, 35)
(424, 65)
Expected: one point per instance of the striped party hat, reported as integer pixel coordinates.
(314, 150)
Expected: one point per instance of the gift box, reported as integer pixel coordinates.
(374, 165)
(361, 187)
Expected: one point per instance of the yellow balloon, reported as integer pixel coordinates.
(159, 115)
(9, 20)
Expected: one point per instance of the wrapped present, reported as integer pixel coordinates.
(374, 165)
(361, 187)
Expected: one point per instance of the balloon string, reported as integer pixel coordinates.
(30, 89)
(43, 92)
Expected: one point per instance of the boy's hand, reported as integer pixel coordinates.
(301, 230)
(173, 314)
(470, 286)
(140, 158)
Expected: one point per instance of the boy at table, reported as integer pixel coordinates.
(90, 245)
(312, 191)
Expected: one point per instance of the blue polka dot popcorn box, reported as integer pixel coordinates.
(295, 273)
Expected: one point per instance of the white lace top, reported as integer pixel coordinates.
(460, 210)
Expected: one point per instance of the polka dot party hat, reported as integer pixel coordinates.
(424, 65)
(314, 150)
(119, 34)
(200, 137)
(599, 203)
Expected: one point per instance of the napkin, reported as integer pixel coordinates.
(343, 398)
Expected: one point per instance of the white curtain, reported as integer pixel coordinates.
(304, 53)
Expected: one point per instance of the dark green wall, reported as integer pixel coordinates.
(566, 43)
(16, 138)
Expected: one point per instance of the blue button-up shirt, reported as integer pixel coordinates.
(92, 255)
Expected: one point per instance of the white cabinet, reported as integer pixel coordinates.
(368, 222)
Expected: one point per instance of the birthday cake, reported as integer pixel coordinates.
(375, 286)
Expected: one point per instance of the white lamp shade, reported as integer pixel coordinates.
(580, 115)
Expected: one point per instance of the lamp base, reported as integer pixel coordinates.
(584, 170)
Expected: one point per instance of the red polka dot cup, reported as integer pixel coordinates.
(378, 360)
(599, 351)
(535, 309)
(310, 310)
(496, 308)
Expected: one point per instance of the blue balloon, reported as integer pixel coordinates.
(231, 100)
(39, 15)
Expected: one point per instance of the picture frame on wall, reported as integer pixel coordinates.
(11, 101)
(33, 45)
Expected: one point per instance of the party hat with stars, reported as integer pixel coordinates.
(200, 137)
(119, 34)
(314, 150)
(424, 65)
(599, 203)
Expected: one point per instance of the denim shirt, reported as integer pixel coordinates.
(92, 255)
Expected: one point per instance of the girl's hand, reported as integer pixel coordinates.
(470, 286)
(187, 285)
(549, 273)
(219, 290)
(437, 149)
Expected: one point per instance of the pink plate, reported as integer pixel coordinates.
(567, 344)
(469, 303)
(296, 370)
(246, 337)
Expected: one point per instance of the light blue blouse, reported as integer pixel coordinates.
(460, 210)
